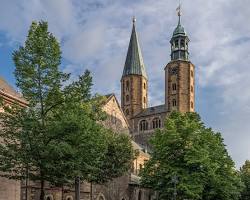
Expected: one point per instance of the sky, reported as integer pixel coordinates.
(94, 35)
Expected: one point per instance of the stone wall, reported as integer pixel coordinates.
(184, 78)
(9, 189)
(135, 87)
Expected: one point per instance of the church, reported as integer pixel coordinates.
(132, 116)
(179, 86)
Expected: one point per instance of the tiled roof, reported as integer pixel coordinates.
(134, 61)
(152, 111)
(6, 88)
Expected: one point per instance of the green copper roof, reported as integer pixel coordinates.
(179, 30)
(134, 62)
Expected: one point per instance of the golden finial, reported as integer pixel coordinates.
(134, 19)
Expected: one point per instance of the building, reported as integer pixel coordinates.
(126, 187)
(9, 189)
(133, 117)
(179, 86)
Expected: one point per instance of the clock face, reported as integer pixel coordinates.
(174, 70)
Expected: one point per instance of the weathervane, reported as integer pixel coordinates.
(178, 9)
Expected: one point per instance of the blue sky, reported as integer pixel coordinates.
(94, 34)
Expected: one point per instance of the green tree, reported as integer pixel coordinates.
(196, 155)
(116, 160)
(25, 130)
(245, 177)
(60, 135)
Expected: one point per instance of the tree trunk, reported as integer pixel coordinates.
(77, 188)
(62, 192)
(91, 190)
(26, 184)
(42, 190)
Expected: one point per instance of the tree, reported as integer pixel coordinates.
(60, 135)
(116, 160)
(196, 155)
(245, 177)
(38, 77)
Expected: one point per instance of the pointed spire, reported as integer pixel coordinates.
(134, 61)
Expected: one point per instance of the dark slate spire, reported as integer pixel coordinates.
(134, 61)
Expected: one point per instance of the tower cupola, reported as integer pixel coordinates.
(179, 41)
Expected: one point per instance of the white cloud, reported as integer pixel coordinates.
(95, 35)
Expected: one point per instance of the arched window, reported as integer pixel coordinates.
(182, 43)
(192, 88)
(156, 123)
(143, 125)
(127, 85)
(192, 104)
(144, 86)
(174, 87)
(192, 73)
(69, 198)
(101, 197)
(127, 98)
(49, 197)
(174, 103)
(139, 195)
(176, 44)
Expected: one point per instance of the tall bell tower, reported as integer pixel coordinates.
(180, 73)
(134, 81)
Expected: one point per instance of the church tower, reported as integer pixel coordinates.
(134, 82)
(180, 73)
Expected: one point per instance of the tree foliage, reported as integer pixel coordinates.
(59, 136)
(196, 155)
(245, 176)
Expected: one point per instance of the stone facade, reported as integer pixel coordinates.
(9, 189)
(179, 87)
(133, 117)
(123, 188)
(179, 94)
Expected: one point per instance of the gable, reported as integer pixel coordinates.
(116, 118)
(10, 95)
